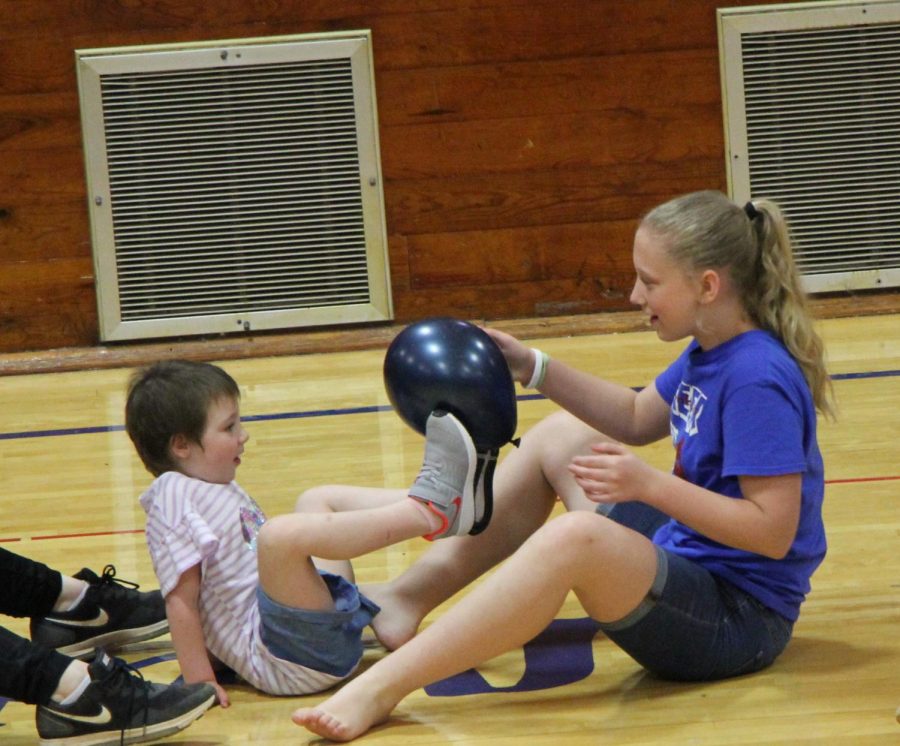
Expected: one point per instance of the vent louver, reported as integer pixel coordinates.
(812, 104)
(235, 186)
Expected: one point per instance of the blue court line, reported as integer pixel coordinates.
(871, 374)
(337, 412)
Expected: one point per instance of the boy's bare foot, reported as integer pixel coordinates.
(345, 715)
(397, 622)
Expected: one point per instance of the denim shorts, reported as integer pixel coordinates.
(327, 641)
(695, 626)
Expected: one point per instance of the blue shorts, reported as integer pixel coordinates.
(693, 625)
(327, 641)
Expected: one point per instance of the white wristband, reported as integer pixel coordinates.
(540, 369)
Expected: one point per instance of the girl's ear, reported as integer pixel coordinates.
(180, 446)
(710, 285)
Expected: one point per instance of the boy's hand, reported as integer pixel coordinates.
(221, 695)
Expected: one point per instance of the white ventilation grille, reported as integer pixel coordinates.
(234, 186)
(812, 106)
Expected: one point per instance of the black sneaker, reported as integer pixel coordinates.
(110, 615)
(118, 706)
(484, 489)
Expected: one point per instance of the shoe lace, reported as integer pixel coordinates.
(430, 470)
(123, 676)
(108, 577)
(113, 588)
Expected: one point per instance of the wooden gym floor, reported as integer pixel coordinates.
(69, 484)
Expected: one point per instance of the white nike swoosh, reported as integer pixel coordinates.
(101, 719)
(101, 620)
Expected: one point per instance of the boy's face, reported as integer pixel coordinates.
(218, 455)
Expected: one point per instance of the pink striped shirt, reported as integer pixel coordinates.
(192, 522)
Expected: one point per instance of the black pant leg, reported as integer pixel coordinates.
(27, 588)
(28, 673)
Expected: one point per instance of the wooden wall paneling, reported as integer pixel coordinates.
(500, 122)
(35, 61)
(547, 87)
(38, 121)
(398, 254)
(579, 140)
(42, 197)
(509, 31)
(546, 197)
(45, 303)
(585, 251)
(505, 300)
(47, 294)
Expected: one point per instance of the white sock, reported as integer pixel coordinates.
(77, 691)
(63, 606)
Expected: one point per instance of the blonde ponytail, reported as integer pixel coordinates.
(778, 303)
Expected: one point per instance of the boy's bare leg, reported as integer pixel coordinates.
(526, 485)
(336, 498)
(609, 567)
(287, 543)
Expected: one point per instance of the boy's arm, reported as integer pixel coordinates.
(187, 632)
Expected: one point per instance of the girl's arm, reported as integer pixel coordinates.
(626, 415)
(765, 521)
(187, 632)
(636, 418)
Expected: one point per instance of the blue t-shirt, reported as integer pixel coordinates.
(744, 408)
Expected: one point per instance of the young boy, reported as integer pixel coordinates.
(244, 591)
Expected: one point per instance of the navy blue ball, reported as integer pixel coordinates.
(453, 365)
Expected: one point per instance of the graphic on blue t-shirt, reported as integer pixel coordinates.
(687, 406)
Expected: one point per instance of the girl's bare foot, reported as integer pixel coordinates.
(321, 723)
(398, 621)
(345, 715)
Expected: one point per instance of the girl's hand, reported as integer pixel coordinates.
(519, 358)
(612, 474)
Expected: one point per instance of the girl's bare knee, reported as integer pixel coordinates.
(552, 444)
(575, 534)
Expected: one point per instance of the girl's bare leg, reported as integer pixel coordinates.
(526, 485)
(609, 567)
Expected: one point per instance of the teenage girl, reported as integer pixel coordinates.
(715, 590)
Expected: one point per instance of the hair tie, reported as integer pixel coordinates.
(751, 211)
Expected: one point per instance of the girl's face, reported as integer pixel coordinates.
(218, 455)
(663, 289)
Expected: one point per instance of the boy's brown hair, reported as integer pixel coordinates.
(172, 398)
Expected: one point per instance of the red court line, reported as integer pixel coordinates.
(94, 533)
(861, 479)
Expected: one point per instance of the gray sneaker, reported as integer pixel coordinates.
(446, 483)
